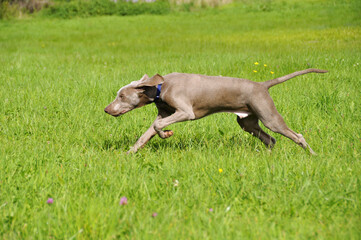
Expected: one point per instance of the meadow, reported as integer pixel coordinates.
(211, 180)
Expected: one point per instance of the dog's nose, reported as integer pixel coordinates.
(105, 110)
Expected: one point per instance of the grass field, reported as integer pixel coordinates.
(56, 142)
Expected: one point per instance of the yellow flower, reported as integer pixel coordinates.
(256, 63)
(254, 71)
(265, 65)
(220, 170)
(272, 72)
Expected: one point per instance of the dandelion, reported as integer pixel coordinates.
(256, 63)
(254, 71)
(123, 201)
(220, 170)
(154, 214)
(176, 183)
(50, 201)
(265, 65)
(272, 72)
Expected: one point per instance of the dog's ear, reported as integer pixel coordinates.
(144, 78)
(150, 82)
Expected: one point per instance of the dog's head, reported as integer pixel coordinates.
(134, 95)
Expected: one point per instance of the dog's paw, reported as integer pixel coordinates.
(311, 151)
(168, 133)
(131, 150)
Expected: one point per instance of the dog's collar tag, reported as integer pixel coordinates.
(159, 87)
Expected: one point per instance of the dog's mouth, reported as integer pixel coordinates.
(121, 113)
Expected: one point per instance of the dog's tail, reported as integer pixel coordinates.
(271, 83)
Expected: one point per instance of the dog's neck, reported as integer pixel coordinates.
(149, 95)
(159, 88)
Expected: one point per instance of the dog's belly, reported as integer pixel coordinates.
(242, 114)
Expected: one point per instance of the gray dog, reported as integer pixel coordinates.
(181, 96)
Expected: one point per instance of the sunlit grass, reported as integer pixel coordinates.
(56, 142)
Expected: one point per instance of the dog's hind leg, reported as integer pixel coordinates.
(266, 112)
(250, 125)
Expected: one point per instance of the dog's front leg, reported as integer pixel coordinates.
(150, 133)
(178, 116)
(143, 139)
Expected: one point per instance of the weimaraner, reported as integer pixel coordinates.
(182, 96)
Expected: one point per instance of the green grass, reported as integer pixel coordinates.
(58, 75)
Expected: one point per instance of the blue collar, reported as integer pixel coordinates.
(159, 87)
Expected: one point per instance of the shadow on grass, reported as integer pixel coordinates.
(185, 144)
(110, 144)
